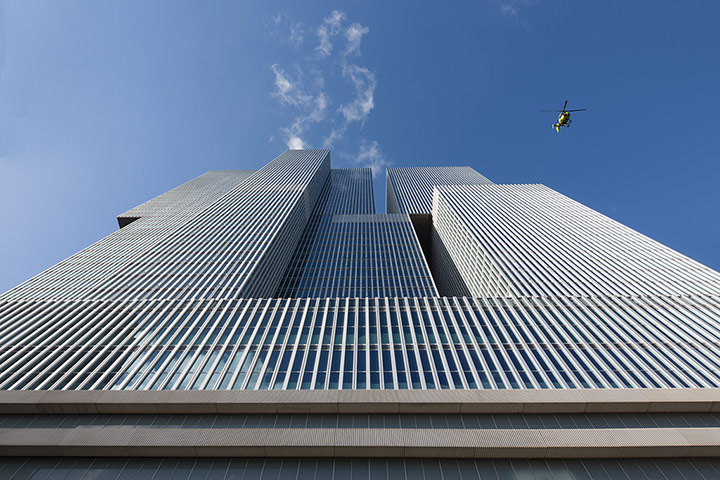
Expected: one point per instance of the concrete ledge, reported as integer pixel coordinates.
(343, 442)
(361, 401)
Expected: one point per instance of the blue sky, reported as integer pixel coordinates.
(104, 105)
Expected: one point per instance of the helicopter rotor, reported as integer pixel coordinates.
(563, 109)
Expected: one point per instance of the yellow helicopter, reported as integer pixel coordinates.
(564, 117)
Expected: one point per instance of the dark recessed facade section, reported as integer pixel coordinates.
(125, 221)
(362, 468)
(448, 280)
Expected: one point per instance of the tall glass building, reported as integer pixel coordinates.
(270, 324)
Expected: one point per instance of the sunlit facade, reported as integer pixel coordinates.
(274, 317)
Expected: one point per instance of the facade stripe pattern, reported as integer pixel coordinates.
(158, 219)
(530, 240)
(351, 343)
(349, 251)
(410, 189)
(285, 278)
(215, 254)
(363, 468)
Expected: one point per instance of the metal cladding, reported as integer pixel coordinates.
(549, 294)
(232, 241)
(274, 313)
(528, 240)
(369, 343)
(349, 251)
(410, 190)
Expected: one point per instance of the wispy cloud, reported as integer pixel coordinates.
(370, 156)
(358, 109)
(509, 9)
(295, 143)
(513, 8)
(296, 34)
(304, 91)
(353, 35)
(329, 28)
(311, 106)
(364, 84)
(285, 30)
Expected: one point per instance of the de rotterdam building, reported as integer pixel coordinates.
(271, 324)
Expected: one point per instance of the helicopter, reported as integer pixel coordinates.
(564, 117)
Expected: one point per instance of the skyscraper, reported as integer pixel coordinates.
(270, 324)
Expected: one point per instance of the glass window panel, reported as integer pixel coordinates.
(345, 421)
(668, 468)
(306, 468)
(271, 468)
(148, 469)
(392, 468)
(165, 471)
(414, 469)
(552, 469)
(485, 469)
(184, 468)
(685, 466)
(131, 468)
(450, 469)
(454, 421)
(377, 420)
(236, 469)
(314, 421)
(325, 468)
(254, 468)
(360, 468)
(57, 469)
(595, 470)
(504, 469)
(216, 470)
(540, 469)
(289, 469)
(8, 466)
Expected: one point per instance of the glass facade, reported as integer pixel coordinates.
(359, 468)
(528, 240)
(410, 189)
(354, 343)
(349, 251)
(286, 278)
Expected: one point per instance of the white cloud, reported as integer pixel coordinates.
(295, 143)
(511, 8)
(335, 135)
(293, 139)
(320, 103)
(296, 34)
(283, 86)
(309, 101)
(328, 29)
(370, 156)
(287, 90)
(364, 83)
(353, 35)
(303, 92)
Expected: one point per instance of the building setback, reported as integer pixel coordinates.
(270, 324)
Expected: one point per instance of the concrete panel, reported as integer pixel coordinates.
(559, 443)
(361, 401)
